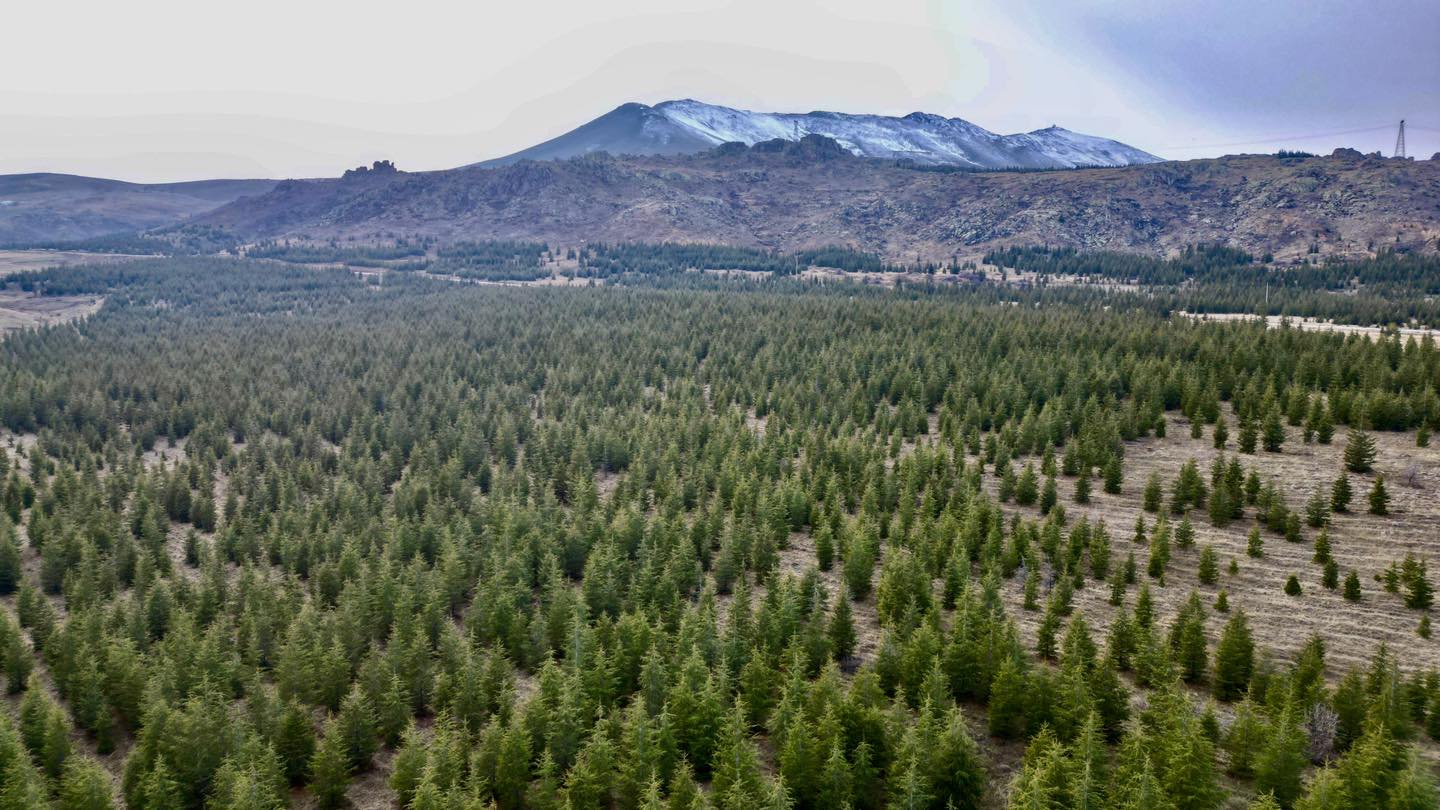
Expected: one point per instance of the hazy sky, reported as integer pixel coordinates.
(177, 89)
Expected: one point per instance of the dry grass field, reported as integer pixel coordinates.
(22, 310)
(1282, 624)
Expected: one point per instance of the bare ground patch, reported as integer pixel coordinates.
(1280, 623)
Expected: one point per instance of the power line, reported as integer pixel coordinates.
(1278, 138)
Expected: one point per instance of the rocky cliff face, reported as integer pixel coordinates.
(814, 193)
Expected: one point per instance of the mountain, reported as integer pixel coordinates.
(788, 195)
(687, 126)
(48, 208)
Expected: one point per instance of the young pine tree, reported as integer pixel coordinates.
(1360, 452)
(1209, 568)
(1274, 431)
(1341, 494)
(330, 769)
(1352, 587)
(1379, 497)
(1234, 658)
(1292, 586)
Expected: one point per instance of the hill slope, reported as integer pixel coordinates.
(795, 196)
(687, 126)
(63, 207)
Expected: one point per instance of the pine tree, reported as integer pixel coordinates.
(1249, 434)
(1330, 575)
(1048, 495)
(84, 786)
(9, 560)
(1082, 487)
(330, 768)
(1113, 475)
(1234, 658)
(1292, 586)
(1274, 431)
(953, 763)
(1244, 739)
(1255, 545)
(842, 629)
(1007, 701)
(357, 729)
(1209, 567)
(408, 766)
(1221, 434)
(1280, 763)
(824, 546)
(1317, 511)
(1153, 493)
(1340, 494)
(1185, 533)
(1379, 498)
(1419, 593)
(1027, 488)
(1352, 587)
(1325, 427)
(1360, 452)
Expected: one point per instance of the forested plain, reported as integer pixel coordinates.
(274, 535)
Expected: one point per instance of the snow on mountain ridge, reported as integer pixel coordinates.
(685, 126)
(923, 137)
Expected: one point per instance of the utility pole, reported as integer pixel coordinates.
(1400, 140)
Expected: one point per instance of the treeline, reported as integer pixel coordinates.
(1391, 288)
(359, 255)
(179, 240)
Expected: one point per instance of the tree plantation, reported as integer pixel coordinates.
(273, 535)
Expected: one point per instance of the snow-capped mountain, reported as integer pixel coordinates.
(687, 126)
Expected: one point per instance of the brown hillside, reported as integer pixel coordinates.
(793, 196)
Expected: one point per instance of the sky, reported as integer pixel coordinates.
(166, 90)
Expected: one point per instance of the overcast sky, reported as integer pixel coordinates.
(176, 89)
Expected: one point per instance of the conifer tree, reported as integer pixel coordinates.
(842, 629)
(1209, 566)
(1379, 497)
(1274, 431)
(330, 768)
(9, 561)
(1113, 475)
(1153, 493)
(1221, 433)
(1280, 763)
(1234, 658)
(1340, 494)
(1359, 452)
(1419, 593)
(1352, 587)
(1330, 575)
(84, 786)
(1048, 495)
(1007, 701)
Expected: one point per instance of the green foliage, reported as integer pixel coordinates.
(570, 526)
(1359, 452)
(1234, 658)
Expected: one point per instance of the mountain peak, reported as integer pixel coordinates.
(687, 126)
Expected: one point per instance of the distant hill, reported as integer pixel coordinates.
(687, 127)
(46, 208)
(814, 193)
